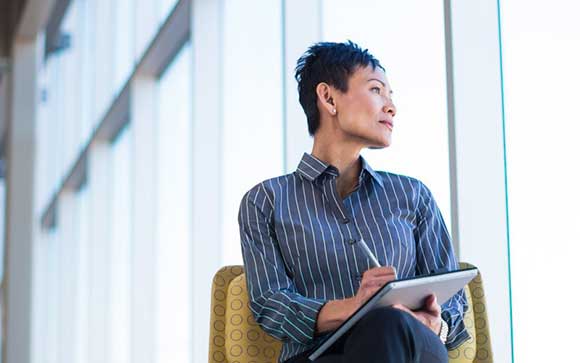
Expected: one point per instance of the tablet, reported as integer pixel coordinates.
(410, 292)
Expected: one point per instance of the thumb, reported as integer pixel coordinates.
(431, 304)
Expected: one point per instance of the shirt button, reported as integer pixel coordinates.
(352, 241)
(345, 221)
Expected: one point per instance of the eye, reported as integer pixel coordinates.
(377, 90)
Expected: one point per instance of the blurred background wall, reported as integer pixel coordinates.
(129, 131)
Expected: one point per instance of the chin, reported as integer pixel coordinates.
(374, 141)
(380, 144)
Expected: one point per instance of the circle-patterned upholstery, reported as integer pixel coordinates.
(236, 338)
(481, 352)
(246, 342)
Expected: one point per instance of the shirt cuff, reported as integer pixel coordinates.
(307, 311)
(460, 334)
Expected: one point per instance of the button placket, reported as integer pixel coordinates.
(334, 199)
(347, 224)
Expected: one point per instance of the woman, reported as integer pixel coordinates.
(300, 233)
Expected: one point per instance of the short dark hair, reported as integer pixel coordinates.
(332, 63)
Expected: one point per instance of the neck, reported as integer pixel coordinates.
(345, 157)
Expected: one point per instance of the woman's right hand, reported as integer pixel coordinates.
(334, 312)
(372, 280)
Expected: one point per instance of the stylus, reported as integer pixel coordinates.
(369, 253)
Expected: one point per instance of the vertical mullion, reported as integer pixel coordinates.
(207, 158)
(302, 28)
(20, 226)
(479, 183)
(451, 129)
(67, 246)
(99, 247)
(144, 182)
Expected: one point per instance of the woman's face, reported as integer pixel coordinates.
(365, 112)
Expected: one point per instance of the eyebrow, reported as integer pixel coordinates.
(381, 82)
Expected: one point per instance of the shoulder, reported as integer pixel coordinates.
(403, 182)
(413, 189)
(264, 194)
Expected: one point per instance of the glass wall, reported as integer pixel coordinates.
(121, 248)
(252, 106)
(83, 275)
(174, 211)
(108, 38)
(124, 23)
(51, 281)
(83, 288)
(164, 7)
(541, 77)
(408, 38)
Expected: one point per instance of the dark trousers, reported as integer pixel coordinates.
(384, 335)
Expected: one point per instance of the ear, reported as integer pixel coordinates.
(324, 93)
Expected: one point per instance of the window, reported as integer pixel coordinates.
(121, 248)
(540, 85)
(52, 279)
(124, 15)
(68, 87)
(164, 8)
(83, 288)
(252, 108)
(103, 43)
(174, 201)
(410, 44)
(87, 117)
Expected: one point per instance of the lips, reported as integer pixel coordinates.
(387, 123)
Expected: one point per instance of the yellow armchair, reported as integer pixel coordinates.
(236, 338)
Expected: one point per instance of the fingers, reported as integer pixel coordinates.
(432, 306)
(371, 287)
(381, 271)
(375, 281)
(372, 280)
(379, 275)
(371, 291)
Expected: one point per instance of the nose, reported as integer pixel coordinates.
(390, 108)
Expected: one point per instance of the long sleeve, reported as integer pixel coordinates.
(435, 254)
(277, 307)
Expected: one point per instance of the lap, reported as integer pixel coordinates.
(385, 335)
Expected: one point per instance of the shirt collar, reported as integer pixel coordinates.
(366, 167)
(311, 168)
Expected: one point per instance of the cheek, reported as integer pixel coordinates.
(369, 106)
(362, 109)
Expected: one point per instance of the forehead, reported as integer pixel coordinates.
(363, 75)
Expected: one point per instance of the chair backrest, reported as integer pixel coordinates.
(478, 348)
(235, 337)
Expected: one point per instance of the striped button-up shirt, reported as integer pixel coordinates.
(299, 245)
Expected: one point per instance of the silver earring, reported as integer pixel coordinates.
(334, 110)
